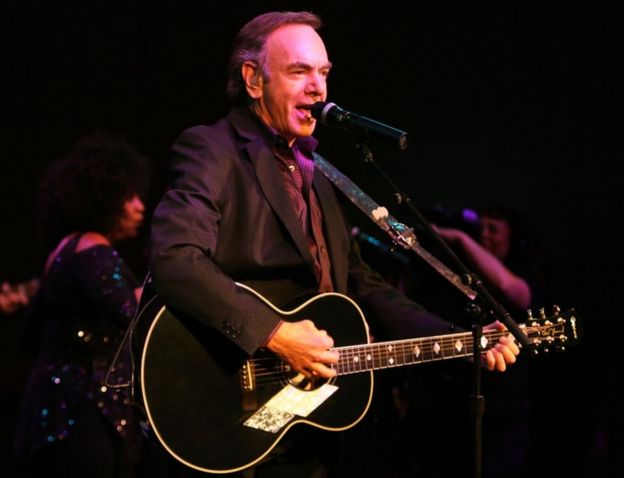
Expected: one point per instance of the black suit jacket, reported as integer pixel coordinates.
(227, 217)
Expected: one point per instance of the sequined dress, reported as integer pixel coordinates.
(77, 321)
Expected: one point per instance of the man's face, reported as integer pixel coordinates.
(297, 66)
(496, 236)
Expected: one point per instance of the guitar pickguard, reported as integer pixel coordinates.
(286, 405)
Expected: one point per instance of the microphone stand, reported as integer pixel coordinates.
(476, 311)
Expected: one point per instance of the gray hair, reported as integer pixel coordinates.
(249, 46)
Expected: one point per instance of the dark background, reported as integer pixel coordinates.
(516, 102)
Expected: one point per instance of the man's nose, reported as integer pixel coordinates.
(317, 85)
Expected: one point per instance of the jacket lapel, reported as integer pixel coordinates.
(270, 178)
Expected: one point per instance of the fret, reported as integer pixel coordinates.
(344, 360)
(375, 355)
(429, 354)
(349, 360)
(455, 346)
(398, 354)
(390, 355)
(447, 347)
(426, 350)
(405, 352)
(339, 365)
(370, 362)
(437, 348)
(382, 356)
(386, 354)
(417, 351)
(459, 345)
(357, 359)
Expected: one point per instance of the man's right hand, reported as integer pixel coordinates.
(305, 348)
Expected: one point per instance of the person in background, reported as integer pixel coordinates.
(15, 297)
(498, 255)
(70, 423)
(247, 204)
(502, 257)
(14, 300)
(496, 246)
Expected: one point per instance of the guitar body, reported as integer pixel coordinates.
(192, 385)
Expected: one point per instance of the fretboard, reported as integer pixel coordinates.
(363, 358)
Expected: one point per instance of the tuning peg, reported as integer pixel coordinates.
(542, 313)
(556, 310)
(530, 318)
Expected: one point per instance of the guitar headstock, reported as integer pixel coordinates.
(554, 332)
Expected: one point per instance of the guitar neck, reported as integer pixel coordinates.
(397, 353)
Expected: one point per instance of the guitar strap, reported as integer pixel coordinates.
(400, 233)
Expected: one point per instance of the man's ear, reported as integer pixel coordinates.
(253, 79)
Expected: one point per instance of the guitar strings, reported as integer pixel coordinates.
(385, 354)
(446, 343)
(270, 366)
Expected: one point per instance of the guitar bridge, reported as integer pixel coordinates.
(248, 386)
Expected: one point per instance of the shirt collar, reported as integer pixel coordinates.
(305, 144)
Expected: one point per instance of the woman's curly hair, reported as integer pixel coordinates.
(86, 190)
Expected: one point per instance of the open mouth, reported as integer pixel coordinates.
(305, 111)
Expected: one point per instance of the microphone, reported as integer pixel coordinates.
(332, 115)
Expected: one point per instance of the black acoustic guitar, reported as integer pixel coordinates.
(218, 411)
